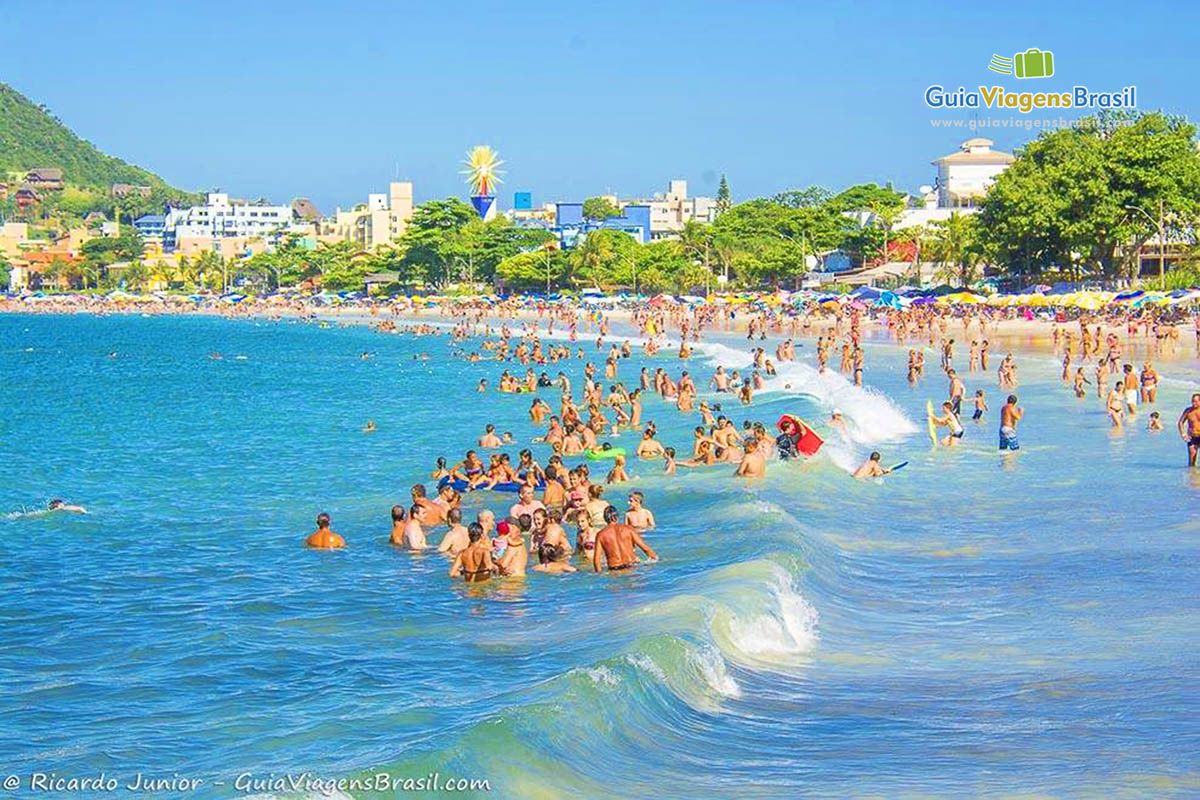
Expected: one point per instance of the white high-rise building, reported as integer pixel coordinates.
(220, 218)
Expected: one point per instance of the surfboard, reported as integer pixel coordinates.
(929, 419)
(810, 442)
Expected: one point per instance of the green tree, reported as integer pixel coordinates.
(1071, 199)
(534, 269)
(431, 242)
(603, 257)
(724, 198)
(866, 197)
(809, 197)
(600, 208)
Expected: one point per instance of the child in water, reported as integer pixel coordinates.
(980, 405)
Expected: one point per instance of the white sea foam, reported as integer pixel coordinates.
(646, 664)
(784, 629)
(712, 669)
(601, 675)
(871, 416)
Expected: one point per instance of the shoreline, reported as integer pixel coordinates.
(1032, 336)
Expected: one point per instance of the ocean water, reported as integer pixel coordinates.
(970, 626)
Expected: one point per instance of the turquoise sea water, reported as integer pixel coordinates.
(971, 626)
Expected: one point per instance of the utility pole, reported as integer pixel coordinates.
(1162, 243)
(1162, 237)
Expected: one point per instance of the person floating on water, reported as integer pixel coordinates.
(59, 504)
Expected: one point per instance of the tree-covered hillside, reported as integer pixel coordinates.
(31, 137)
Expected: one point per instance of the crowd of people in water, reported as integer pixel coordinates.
(582, 427)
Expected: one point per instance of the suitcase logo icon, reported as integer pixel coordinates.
(1033, 63)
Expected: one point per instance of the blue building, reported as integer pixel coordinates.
(572, 228)
(151, 227)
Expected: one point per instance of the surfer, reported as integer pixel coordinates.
(871, 468)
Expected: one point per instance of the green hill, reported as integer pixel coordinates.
(32, 137)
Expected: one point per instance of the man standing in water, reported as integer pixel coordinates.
(475, 563)
(323, 538)
(1010, 415)
(1189, 428)
(616, 541)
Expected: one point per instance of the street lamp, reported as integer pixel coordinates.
(1162, 237)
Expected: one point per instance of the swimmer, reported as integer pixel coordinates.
(617, 474)
(414, 534)
(398, 520)
(649, 447)
(474, 563)
(323, 538)
(490, 440)
(753, 464)
(638, 515)
(1155, 422)
(62, 505)
(669, 460)
(369, 427)
(871, 468)
(551, 562)
(456, 539)
(515, 557)
(615, 542)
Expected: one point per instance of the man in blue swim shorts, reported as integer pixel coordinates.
(1010, 415)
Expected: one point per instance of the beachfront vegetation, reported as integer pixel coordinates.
(1082, 201)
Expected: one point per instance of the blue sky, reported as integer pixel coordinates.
(332, 100)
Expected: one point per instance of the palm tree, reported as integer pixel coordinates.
(955, 247)
(594, 254)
